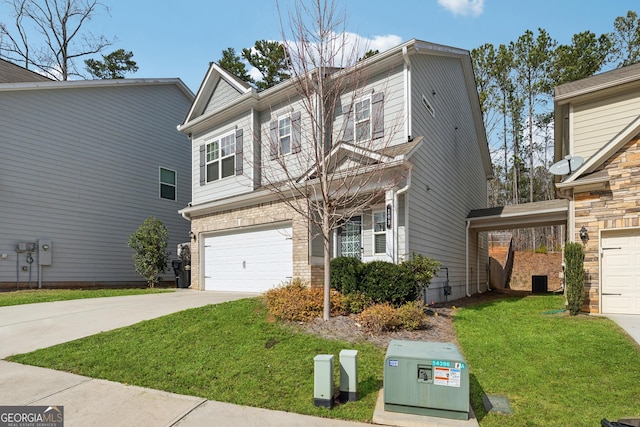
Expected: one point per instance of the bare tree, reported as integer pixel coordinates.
(49, 35)
(329, 87)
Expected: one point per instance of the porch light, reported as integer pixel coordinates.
(192, 235)
(584, 235)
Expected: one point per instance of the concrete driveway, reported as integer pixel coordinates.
(24, 328)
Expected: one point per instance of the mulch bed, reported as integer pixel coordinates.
(439, 329)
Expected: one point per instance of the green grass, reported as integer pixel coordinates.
(219, 352)
(555, 369)
(49, 295)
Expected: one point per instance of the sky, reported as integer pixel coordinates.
(180, 39)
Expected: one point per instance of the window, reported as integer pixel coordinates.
(220, 158)
(363, 120)
(284, 135)
(379, 232)
(168, 184)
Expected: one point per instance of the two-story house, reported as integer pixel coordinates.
(82, 164)
(419, 98)
(597, 119)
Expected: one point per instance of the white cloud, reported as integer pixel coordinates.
(463, 7)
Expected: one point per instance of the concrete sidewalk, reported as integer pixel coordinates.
(92, 402)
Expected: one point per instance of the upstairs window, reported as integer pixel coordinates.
(284, 135)
(168, 184)
(363, 120)
(380, 232)
(220, 158)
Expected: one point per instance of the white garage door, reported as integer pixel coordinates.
(253, 260)
(621, 272)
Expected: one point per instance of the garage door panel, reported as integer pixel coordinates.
(621, 272)
(248, 261)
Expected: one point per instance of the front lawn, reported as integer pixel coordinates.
(229, 352)
(556, 370)
(32, 296)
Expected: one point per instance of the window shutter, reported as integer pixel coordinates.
(295, 132)
(203, 164)
(273, 143)
(377, 110)
(239, 151)
(347, 134)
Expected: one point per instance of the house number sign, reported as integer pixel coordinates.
(389, 216)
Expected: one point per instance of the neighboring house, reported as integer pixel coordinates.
(598, 119)
(12, 73)
(246, 239)
(82, 164)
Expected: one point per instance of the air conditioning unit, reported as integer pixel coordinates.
(426, 378)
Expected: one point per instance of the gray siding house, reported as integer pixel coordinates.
(421, 97)
(83, 163)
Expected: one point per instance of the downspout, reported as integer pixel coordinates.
(478, 263)
(407, 94)
(395, 216)
(467, 259)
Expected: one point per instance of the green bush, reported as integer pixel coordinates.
(387, 282)
(149, 244)
(422, 268)
(297, 302)
(355, 302)
(574, 276)
(411, 316)
(345, 274)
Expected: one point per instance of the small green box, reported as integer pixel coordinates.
(426, 378)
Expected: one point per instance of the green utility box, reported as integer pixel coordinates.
(426, 378)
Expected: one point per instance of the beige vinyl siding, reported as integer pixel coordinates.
(448, 178)
(222, 94)
(79, 166)
(232, 185)
(596, 123)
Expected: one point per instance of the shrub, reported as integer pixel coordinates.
(345, 274)
(387, 282)
(355, 302)
(378, 318)
(422, 268)
(411, 316)
(297, 302)
(574, 276)
(149, 243)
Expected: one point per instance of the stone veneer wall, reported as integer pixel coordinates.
(263, 214)
(616, 206)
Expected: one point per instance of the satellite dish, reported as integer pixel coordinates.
(567, 165)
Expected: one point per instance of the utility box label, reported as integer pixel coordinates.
(449, 377)
(394, 363)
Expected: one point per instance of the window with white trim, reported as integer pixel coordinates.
(220, 157)
(284, 135)
(379, 232)
(362, 120)
(168, 184)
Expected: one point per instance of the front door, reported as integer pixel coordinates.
(351, 238)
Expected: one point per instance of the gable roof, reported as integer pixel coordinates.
(599, 86)
(208, 86)
(12, 73)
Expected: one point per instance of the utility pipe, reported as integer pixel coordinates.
(467, 259)
(395, 217)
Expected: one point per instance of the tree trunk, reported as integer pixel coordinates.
(326, 234)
